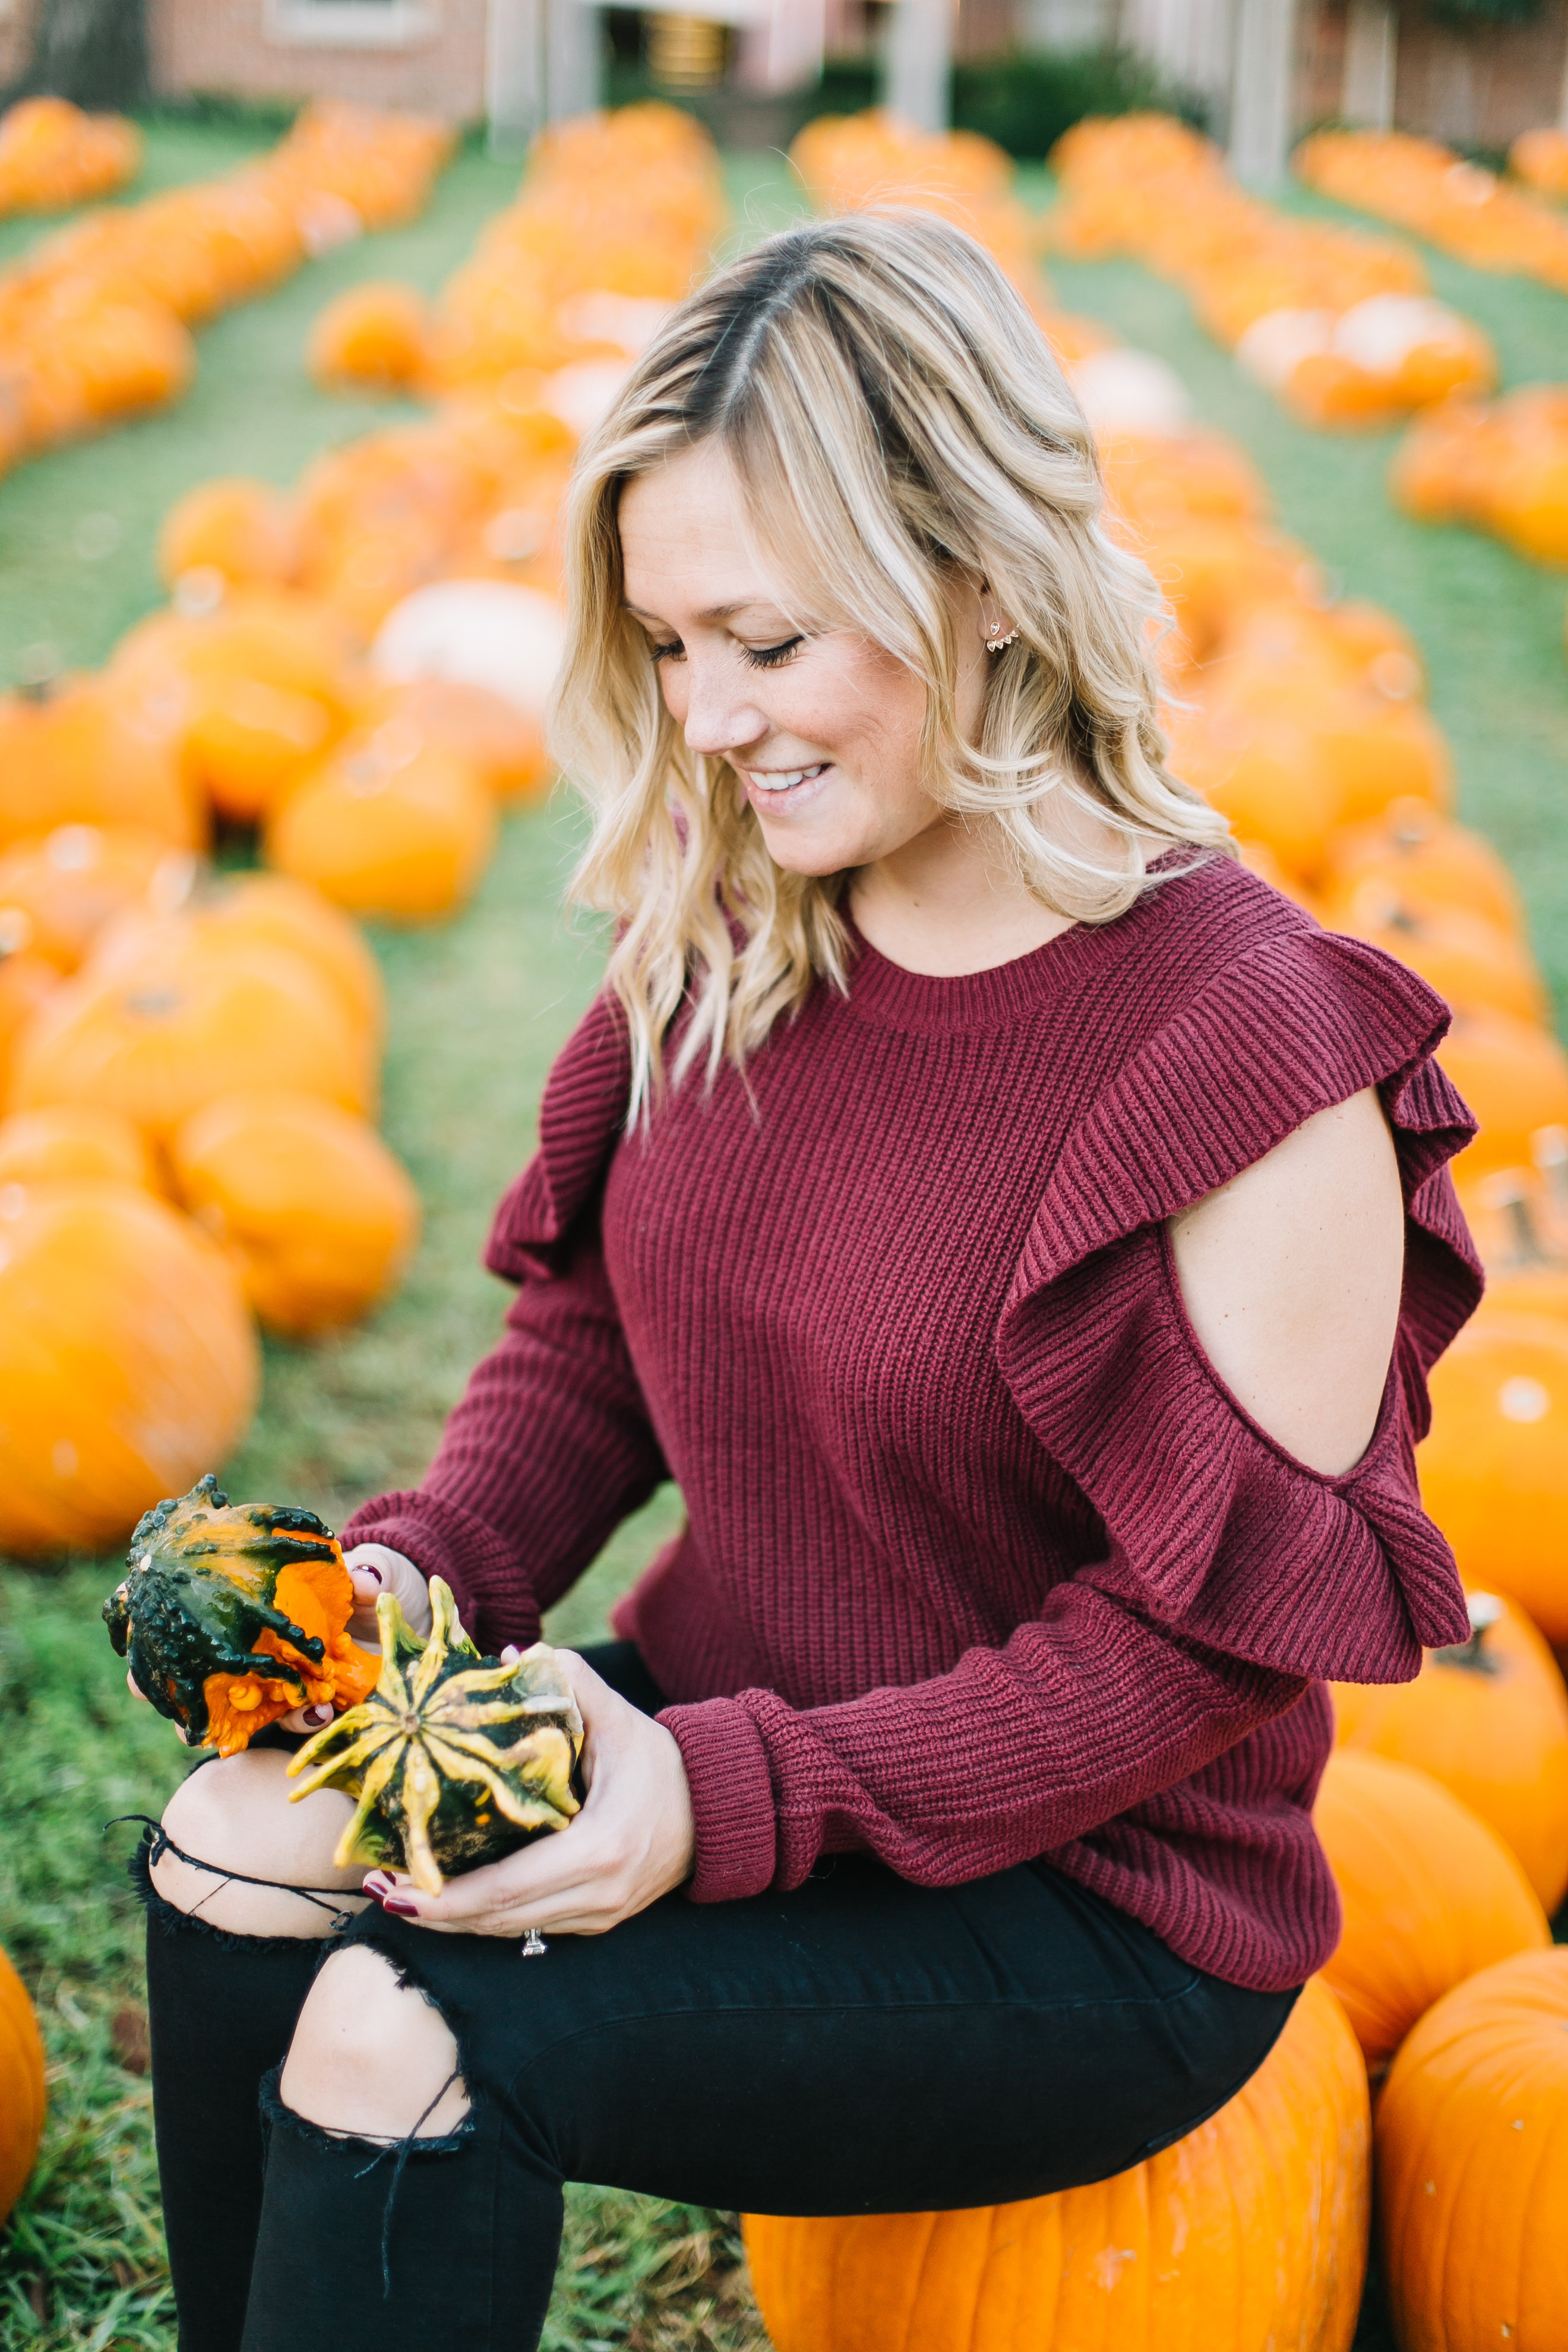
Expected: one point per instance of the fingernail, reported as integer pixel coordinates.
(318, 1714)
(398, 1907)
(368, 1571)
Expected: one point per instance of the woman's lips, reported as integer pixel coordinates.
(775, 788)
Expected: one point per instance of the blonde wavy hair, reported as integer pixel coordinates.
(897, 420)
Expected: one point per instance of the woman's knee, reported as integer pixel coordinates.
(235, 1815)
(372, 2058)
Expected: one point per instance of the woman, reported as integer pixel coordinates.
(1021, 1234)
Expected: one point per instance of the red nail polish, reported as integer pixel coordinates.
(368, 1571)
(398, 1907)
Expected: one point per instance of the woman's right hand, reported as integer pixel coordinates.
(373, 1569)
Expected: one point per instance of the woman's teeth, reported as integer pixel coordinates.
(782, 780)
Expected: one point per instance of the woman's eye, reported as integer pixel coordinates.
(674, 651)
(771, 656)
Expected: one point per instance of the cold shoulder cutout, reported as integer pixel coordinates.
(1214, 1526)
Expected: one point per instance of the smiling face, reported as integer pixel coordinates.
(824, 728)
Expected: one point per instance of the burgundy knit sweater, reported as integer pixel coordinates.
(983, 1562)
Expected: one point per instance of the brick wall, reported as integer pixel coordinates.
(243, 48)
(1475, 89)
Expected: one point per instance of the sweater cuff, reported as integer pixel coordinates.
(731, 1798)
(494, 1599)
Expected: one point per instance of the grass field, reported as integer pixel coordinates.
(478, 1011)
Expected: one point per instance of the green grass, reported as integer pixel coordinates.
(479, 1009)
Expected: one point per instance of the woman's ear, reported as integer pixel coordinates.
(997, 628)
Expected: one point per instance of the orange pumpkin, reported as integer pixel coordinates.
(84, 755)
(387, 826)
(242, 530)
(1472, 2165)
(1424, 859)
(1252, 2230)
(1494, 1470)
(320, 1217)
(1514, 1076)
(70, 882)
(1466, 956)
(127, 1361)
(72, 1141)
(372, 337)
(1429, 1894)
(281, 913)
(25, 979)
(21, 2095)
(173, 1022)
(501, 743)
(1489, 1720)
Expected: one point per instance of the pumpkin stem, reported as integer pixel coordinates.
(1485, 1608)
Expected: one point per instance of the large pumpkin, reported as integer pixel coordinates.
(282, 913)
(87, 755)
(1489, 1719)
(22, 2094)
(1514, 1076)
(71, 881)
(1250, 2234)
(1472, 2159)
(69, 1141)
(127, 1361)
(1494, 1469)
(172, 1023)
(1424, 859)
(319, 1216)
(241, 530)
(1429, 1894)
(387, 826)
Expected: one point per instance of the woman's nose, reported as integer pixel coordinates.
(720, 718)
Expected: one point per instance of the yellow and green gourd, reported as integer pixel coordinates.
(454, 1759)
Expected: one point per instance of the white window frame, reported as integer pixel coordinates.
(352, 24)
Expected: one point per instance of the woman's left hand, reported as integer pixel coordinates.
(633, 1841)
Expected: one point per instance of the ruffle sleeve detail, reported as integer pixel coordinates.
(581, 1116)
(1213, 1529)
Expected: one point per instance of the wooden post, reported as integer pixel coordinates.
(571, 58)
(1372, 46)
(920, 63)
(514, 73)
(1260, 121)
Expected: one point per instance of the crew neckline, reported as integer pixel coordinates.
(889, 995)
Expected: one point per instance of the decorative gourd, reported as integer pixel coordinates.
(21, 2095)
(320, 1217)
(233, 1613)
(387, 826)
(243, 530)
(71, 881)
(176, 1020)
(371, 337)
(1494, 1469)
(1472, 2165)
(86, 755)
(1515, 1079)
(1429, 1894)
(1251, 2233)
(454, 1759)
(1489, 1720)
(70, 1140)
(127, 1359)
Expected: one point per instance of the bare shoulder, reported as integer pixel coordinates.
(1291, 1275)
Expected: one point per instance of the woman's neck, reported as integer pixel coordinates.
(948, 903)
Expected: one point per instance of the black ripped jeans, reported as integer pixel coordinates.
(860, 2045)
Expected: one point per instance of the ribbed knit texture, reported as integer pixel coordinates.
(983, 1562)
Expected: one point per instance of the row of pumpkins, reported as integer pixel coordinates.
(94, 322)
(189, 1063)
(1481, 219)
(1337, 323)
(1445, 1809)
(53, 156)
